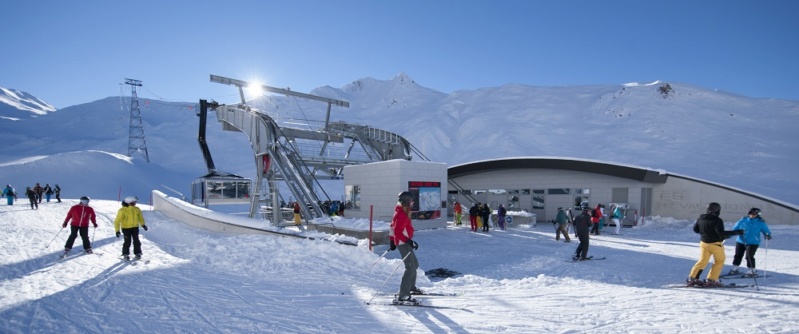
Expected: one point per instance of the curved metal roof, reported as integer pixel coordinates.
(627, 172)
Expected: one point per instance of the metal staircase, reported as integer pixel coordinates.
(280, 155)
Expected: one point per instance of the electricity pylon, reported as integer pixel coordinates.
(136, 142)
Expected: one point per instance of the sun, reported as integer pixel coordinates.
(254, 88)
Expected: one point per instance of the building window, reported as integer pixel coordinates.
(352, 197)
(538, 198)
(581, 198)
(558, 191)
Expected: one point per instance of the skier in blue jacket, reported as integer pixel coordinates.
(10, 194)
(753, 225)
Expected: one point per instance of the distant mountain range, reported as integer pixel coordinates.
(734, 140)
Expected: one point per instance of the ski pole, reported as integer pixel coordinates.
(389, 276)
(59, 232)
(370, 268)
(765, 264)
(92, 243)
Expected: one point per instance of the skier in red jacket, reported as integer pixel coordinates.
(80, 214)
(401, 236)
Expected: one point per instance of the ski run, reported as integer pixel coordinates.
(513, 281)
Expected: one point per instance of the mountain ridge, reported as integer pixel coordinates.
(716, 136)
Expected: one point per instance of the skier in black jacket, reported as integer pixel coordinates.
(711, 229)
(582, 224)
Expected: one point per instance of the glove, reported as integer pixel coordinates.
(95, 225)
(144, 227)
(768, 236)
(739, 232)
(64, 225)
(391, 245)
(118, 234)
(413, 244)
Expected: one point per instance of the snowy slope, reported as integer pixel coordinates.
(514, 281)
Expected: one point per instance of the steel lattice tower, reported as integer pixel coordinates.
(136, 142)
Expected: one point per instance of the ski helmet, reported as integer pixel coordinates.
(754, 211)
(405, 197)
(85, 200)
(130, 199)
(714, 208)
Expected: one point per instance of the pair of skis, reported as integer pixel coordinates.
(587, 259)
(66, 254)
(725, 286)
(418, 301)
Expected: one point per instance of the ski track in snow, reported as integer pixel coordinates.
(513, 281)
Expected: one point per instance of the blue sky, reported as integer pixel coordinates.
(68, 53)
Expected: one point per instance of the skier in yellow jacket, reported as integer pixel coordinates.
(128, 220)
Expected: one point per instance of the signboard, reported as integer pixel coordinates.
(427, 199)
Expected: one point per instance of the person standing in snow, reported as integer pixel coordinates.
(33, 197)
(582, 226)
(297, 213)
(753, 226)
(501, 212)
(711, 229)
(10, 194)
(485, 214)
(39, 191)
(127, 223)
(473, 212)
(48, 191)
(562, 220)
(618, 218)
(401, 237)
(458, 213)
(57, 193)
(596, 214)
(80, 214)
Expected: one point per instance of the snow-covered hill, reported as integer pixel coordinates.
(741, 142)
(514, 281)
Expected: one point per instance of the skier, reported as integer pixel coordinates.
(711, 229)
(501, 212)
(401, 237)
(80, 214)
(39, 191)
(33, 197)
(458, 213)
(617, 217)
(562, 219)
(57, 193)
(128, 220)
(10, 194)
(582, 225)
(596, 214)
(753, 225)
(485, 214)
(48, 191)
(297, 213)
(473, 211)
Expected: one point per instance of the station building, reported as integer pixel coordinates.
(542, 185)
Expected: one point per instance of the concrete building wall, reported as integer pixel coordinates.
(600, 186)
(381, 182)
(686, 198)
(674, 196)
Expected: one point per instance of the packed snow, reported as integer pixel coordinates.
(515, 281)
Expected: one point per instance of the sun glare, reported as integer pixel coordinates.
(254, 89)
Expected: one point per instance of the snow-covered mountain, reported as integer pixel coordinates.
(15, 105)
(741, 142)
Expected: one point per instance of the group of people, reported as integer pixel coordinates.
(35, 194)
(127, 222)
(710, 227)
(480, 216)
